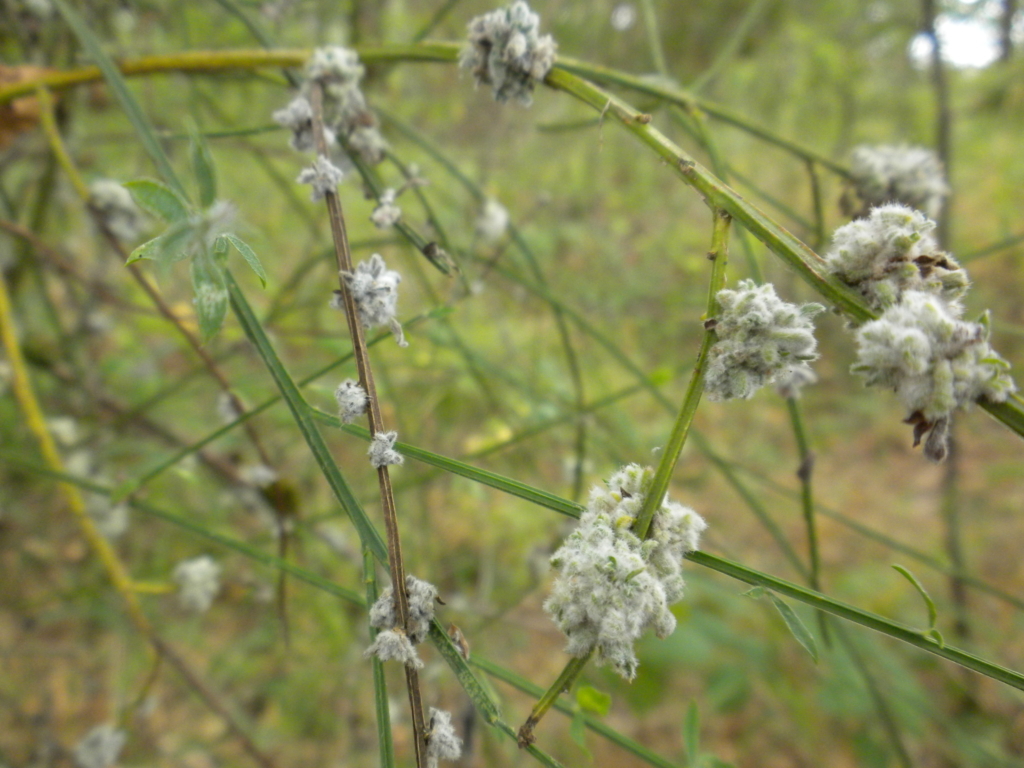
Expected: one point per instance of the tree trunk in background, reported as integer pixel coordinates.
(1006, 29)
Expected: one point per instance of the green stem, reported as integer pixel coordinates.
(789, 248)
(563, 683)
(850, 613)
(804, 474)
(719, 256)
(654, 38)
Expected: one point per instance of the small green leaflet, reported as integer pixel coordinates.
(211, 295)
(169, 246)
(158, 199)
(593, 701)
(933, 613)
(248, 254)
(203, 168)
(793, 622)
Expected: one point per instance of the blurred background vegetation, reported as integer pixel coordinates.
(621, 243)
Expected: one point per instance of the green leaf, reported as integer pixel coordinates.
(578, 732)
(158, 199)
(249, 255)
(933, 613)
(593, 701)
(211, 299)
(691, 733)
(203, 167)
(796, 626)
(220, 249)
(173, 244)
(151, 249)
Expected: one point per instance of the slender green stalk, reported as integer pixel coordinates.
(563, 683)
(593, 723)
(817, 203)
(867, 619)
(732, 45)
(804, 474)
(654, 45)
(719, 257)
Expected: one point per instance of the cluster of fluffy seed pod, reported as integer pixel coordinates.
(920, 347)
(934, 361)
(116, 209)
(393, 641)
(345, 112)
(505, 52)
(611, 585)
(761, 340)
(913, 176)
(374, 289)
(198, 582)
(891, 251)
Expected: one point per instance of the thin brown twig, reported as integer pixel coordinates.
(396, 564)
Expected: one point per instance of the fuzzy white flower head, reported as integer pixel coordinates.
(892, 251)
(335, 65)
(324, 176)
(351, 399)
(116, 209)
(791, 385)
(442, 741)
(913, 176)
(611, 586)
(227, 408)
(761, 340)
(422, 599)
(198, 582)
(339, 72)
(386, 214)
(374, 289)
(100, 747)
(492, 222)
(298, 118)
(367, 142)
(258, 475)
(111, 520)
(934, 361)
(382, 451)
(393, 644)
(505, 52)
